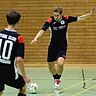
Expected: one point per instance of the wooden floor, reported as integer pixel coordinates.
(72, 83)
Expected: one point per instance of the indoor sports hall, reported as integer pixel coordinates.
(79, 76)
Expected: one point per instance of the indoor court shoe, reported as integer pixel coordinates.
(57, 83)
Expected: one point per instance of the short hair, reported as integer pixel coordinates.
(58, 9)
(13, 17)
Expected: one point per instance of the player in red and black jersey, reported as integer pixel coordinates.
(11, 53)
(58, 25)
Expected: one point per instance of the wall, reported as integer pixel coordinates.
(82, 35)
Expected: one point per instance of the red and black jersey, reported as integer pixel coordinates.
(58, 30)
(11, 46)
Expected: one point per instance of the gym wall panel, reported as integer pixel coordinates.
(81, 35)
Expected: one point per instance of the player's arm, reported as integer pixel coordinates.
(20, 63)
(82, 17)
(20, 58)
(44, 28)
(39, 34)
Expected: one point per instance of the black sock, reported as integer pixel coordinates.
(20, 94)
(56, 76)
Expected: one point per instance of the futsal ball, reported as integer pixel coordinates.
(32, 88)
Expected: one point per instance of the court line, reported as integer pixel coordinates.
(78, 93)
(74, 85)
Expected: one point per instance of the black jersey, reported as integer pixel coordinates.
(58, 30)
(11, 46)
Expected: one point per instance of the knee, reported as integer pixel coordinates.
(60, 61)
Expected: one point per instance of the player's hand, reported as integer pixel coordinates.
(33, 41)
(26, 79)
(93, 10)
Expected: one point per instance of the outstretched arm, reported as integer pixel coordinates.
(39, 34)
(82, 17)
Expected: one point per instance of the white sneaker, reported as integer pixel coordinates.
(57, 83)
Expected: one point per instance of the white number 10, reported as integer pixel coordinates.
(7, 44)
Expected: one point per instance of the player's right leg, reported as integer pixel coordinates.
(52, 57)
(22, 91)
(1, 93)
(59, 70)
(2, 87)
(52, 69)
(19, 84)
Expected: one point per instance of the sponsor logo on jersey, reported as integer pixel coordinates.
(54, 22)
(62, 22)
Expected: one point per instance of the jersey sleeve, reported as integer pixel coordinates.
(47, 24)
(20, 47)
(71, 19)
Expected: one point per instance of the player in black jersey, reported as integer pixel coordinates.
(12, 53)
(58, 25)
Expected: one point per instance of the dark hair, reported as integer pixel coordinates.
(58, 9)
(13, 17)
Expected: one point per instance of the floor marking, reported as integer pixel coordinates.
(78, 93)
(74, 85)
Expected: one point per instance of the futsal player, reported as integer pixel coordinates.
(12, 53)
(58, 24)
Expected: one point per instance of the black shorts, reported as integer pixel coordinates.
(18, 83)
(54, 54)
